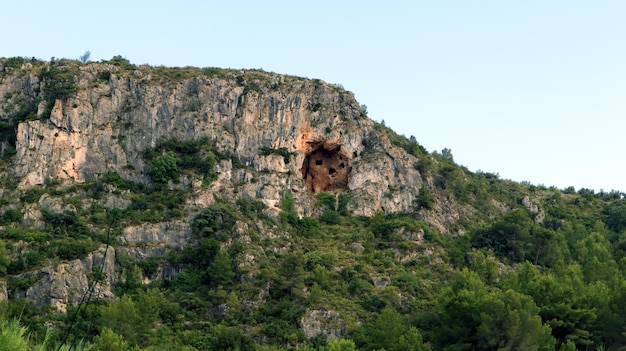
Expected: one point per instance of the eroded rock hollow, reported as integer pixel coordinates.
(325, 167)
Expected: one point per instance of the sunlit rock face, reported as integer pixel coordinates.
(108, 123)
(272, 134)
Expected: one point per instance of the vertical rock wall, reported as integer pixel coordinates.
(108, 123)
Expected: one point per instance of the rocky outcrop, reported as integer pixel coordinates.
(3, 290)
(533, 205)
(176, 234)
(280, 133)
(107, 125)
(67, 284)
(323, 323)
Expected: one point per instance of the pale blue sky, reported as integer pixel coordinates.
(532, 90)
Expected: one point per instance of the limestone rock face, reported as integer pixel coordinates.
(323, 323)
(173, 234)
(107, 125)
(65, 284)
(282, 133)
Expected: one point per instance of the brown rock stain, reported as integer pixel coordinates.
(325, 167)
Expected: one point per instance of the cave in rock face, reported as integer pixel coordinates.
(326, 168)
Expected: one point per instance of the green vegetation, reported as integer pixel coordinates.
(409, 145)
(122, 62)
(14, 62)
(331, 215)
(15, 337)
(314, 107)
(26, 110)
(252, 86)
(104, 75)
(59, 83)
(148, 205)
(424, 199)
(523, 267)
(172, 156)
(164, 168)
(66, 236)
(283, 151)
(518, 281)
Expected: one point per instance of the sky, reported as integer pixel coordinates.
(533, 90)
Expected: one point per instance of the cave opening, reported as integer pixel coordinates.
(325, 167)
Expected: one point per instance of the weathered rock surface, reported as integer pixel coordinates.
(107, 125)
(323, 323)
(3, 290)
(287, 133)
(174, 234)
(66, 284)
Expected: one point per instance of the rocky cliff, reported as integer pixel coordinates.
(65, 123)
(108, 122)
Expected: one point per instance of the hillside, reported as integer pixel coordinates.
(158, 208)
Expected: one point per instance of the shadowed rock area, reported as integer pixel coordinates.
(325, 167)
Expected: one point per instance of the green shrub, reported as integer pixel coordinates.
(58, 84)
(9, 152)
(217, 218)
(14, 62)
(11, 215)
(8, 126)
(32, 195)
(221, 271)
(4, 259)
(252, 86)
(66, 223)
(195, 155)
(110, 341)
(213, 71)
(424, 199)
(113, 178)
(164, 169)
(27, 235)
(155, 206)
(7, 132)
(308, 226)
(251, 208)
(328, 200)
(314, 107)
(26, 110)
(342, 204)
(615, 216)
(330, 217)
(26, 262)
(122, 62)
(424, 165)
(381, 227)
(288, 214)
(15, 337)
(283, 151)
(71, 249)
(104, 75)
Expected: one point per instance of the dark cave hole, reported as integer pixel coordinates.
(325, 168)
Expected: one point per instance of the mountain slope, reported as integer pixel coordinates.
(228, 208)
